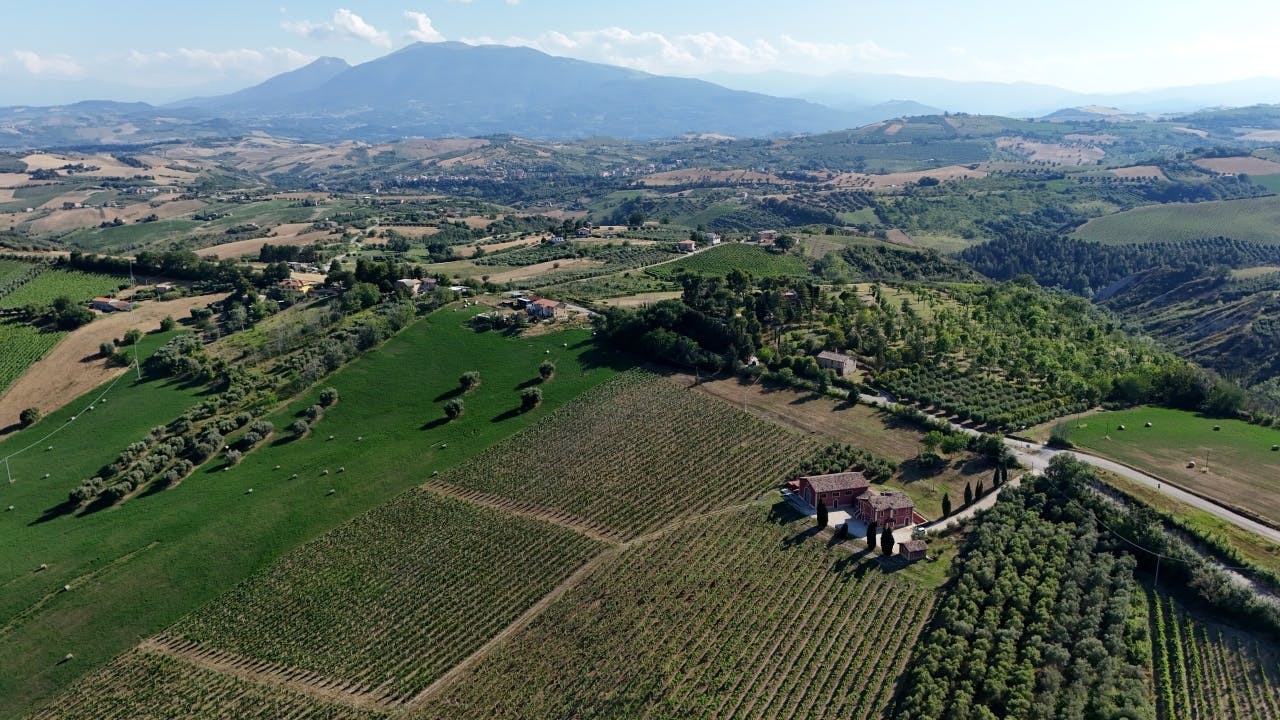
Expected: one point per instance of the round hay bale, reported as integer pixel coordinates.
(249, 491)
(1216, 428)
(293, 476)
(66, 588)
(46, 476)
(9, 509)
(1274, 448)
(331, 491)
(342, 469)
(1148, 424)
(1120, 427)
(1191, 464)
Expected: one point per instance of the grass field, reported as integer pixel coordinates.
(23, 345)
(1207, 672)
(636, 454)
(726, 258)
(138, 567)
(744, 615)
(130, 235)
(390, 601)
(52, 284)
(1253, 219)
(1234, 465)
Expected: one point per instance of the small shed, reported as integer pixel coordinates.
(913, 550)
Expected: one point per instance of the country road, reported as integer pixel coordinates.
(1037, 458)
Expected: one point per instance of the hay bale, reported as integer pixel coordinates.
(1191, 464)
(249, 491)
(1148, 424)
(66, 588)
(1120, 427)
(1216, 428)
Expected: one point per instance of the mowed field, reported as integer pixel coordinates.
(137, 567)
(1235, 465)
(1253, 219)
(50, 285)
(73, 366)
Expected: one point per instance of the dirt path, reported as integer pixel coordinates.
(264, 673)
(73, 368)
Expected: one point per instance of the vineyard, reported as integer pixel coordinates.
(23, 345)
(732, 617)
(144, 684)
(724, 259)
(978, 398)
(13, 273)
(1201, 671)
(53, 284)
(634, 454)
(390, 601)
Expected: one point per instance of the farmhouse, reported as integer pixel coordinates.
(686, 246)
(886, 509)
(545, 309)
(584, 232)
(301, 286)
(106, 304)
(712, 238)
(836, 490)
(766, 237)
(842, 364)
(913, 550)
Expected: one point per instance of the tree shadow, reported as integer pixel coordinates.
(805, 398)
(783, 513)
(286, 439)
(599, 356)
(512, 413)
(66, 507)
(11, 427)
(100, 503)
(433, 424)
(800, 537)
(449, 394)
(532, 382)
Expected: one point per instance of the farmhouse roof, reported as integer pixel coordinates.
(915, 546)
(544, 302)
(888, 500)
(834, 356)
(837, 481)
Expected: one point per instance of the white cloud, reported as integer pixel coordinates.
(344, 23)
(241, 62)
(422, 30)
(56, 64)
(697, 53)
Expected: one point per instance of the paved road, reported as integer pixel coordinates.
(1037, 457)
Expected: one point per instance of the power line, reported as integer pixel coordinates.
(64, 425)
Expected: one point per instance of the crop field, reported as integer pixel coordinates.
(53, 284)
(1234, 465)
(23, 345)
(728, 257)
(635, 454)
(138, 567)
(1252, 219)
(393, 599)
(739, 616)
(1203, 671)
(152, 685)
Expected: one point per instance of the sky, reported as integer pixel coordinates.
(60, 51)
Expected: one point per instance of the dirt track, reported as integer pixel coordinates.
(73, 368)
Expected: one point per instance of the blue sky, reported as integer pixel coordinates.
(63, 50)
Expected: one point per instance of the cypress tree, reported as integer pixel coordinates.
(968, 494)
(822, 514)
(871, 535)
(946, 504)
(979, 490)
(886, 542)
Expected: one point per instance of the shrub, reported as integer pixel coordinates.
(454, 408)
(29, 417)
(469, 380)
(314, 413)
(168, 323)
(328, 396)
(530, 398)
(234, 457)
(298, 427)
(107, 349)
(546, 369)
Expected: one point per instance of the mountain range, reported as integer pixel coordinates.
(455, 89)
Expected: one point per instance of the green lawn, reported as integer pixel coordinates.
(1254, 219)
(193, 542)
(1234, 465)
(728, 257)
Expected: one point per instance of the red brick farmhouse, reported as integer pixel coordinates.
(851, 492)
